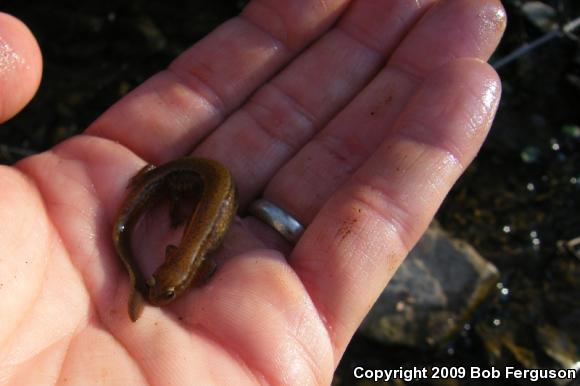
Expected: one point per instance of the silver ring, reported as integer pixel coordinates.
(278, 219)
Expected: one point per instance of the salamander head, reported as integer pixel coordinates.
(164, 287)
(160, 296)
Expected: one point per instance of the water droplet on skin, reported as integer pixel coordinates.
(9, 59)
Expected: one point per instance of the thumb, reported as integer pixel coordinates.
(20, 66)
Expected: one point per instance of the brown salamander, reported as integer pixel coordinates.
(186, 264)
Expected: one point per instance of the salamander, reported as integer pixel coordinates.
(216, 203)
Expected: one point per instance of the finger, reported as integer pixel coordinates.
(287, 111)
(168, 114)
(355, 244)
(20, 66)
(306, 182)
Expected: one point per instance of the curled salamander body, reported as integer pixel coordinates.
(216, 202)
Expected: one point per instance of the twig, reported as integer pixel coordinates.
(567, 30)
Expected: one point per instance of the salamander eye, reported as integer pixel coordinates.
(168, 294)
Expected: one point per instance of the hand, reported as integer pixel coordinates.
(359, 135)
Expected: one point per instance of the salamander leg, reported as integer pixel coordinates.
(182, 198)
(206, 271)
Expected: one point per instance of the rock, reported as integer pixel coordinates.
(432, 295)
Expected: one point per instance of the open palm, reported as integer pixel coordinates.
(356, 117)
